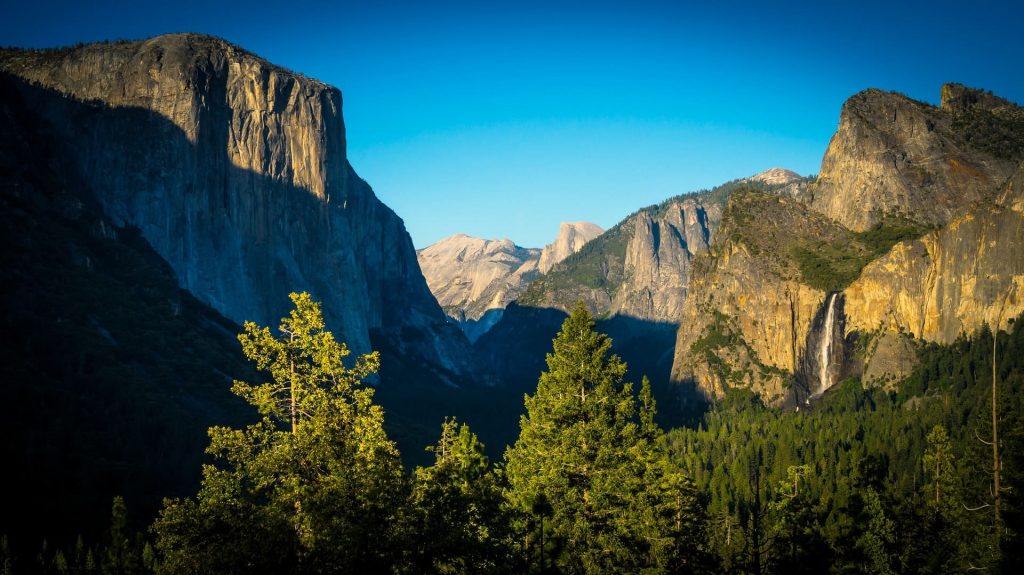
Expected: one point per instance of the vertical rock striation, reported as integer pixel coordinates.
(234, 170)
(639, 269)
(759, 304)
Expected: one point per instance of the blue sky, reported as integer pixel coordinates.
(502, 119)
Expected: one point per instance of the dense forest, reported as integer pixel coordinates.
(882, 480)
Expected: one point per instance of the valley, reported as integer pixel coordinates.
(778, 374)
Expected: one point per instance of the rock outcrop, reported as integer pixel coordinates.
(950, 282)
(475, 279)
(572, 236)
(895, 156)
(750, 312)
(913, 231)
(776, 177)
(235, 171)
(640, 268)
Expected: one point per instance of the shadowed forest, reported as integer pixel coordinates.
(868, 481)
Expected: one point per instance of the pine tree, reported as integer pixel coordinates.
(616, 503)
(798, 545)
(876, 541)
(458, 524)
(313, 486)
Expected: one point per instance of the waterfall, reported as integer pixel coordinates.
(825, 347)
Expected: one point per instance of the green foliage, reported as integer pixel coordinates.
(457, 522)
(832, 266)
(717, 335)
(617, 503)
(998, 133)
(902, 446)
(314, 485)
(826, 266)
(879, 537)
(598, 265)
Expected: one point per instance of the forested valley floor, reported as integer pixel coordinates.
(898, 480)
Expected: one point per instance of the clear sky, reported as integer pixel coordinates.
(502, 119)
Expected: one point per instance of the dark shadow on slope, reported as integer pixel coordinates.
(111, 373)
(114, 371)
(517, 346)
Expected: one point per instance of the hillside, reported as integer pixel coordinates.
(798, 294)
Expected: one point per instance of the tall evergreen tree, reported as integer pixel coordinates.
(616, 503)
(457, 522)
(313, 486)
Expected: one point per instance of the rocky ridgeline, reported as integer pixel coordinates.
(641, 268)
(894, 155)
(235, 171)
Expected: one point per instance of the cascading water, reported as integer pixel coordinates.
(825, 348)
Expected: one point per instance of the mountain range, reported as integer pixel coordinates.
(474, 279)
(157, 194)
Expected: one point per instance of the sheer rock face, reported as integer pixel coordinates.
(895, 156)
(235, 172)
(748, 316)
(640, 268)
(572, 236)
(475, 279)
(951, 281)
(656, 276)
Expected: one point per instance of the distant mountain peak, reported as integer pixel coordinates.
(773, 176)
(474, 279)
(571, 238)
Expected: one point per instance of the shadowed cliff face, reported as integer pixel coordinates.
(112, 373)
(235, 171)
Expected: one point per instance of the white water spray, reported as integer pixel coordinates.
(825, 348)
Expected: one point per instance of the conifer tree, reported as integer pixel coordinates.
(458, 524)
(616, 502)
(314, 485)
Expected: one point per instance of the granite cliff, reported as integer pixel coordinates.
(571, 238)
(641, 267)
(235, 171)
(636, 279)
(104, 360)
(913, 230)
(949, 282)
(474, 279)
(892, 155)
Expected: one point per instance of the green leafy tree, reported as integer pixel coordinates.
(314, 485)
(458, 524)
(616, 503)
